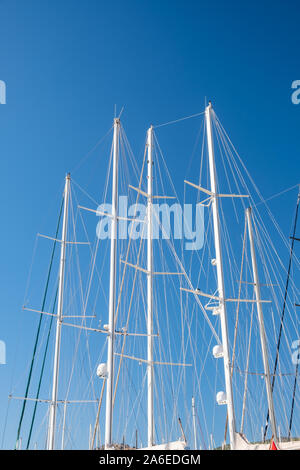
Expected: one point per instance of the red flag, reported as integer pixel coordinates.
(273, 445)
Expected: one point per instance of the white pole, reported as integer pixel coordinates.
(246, 377)
(53, 405)
(150, 290)
(90, 437)
(64, 427)
(194, 423)
(220, 278)
(261, 327)
(112, 290)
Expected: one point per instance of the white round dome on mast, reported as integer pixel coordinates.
(221, 398)
(102, 370)
(218, 351)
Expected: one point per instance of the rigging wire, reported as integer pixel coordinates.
(39, 327)
(269, 245)
(85, 157)
(41, 374)
(282, 315)
(237, 316)
(178, 120)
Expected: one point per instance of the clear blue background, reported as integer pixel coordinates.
(67, 63)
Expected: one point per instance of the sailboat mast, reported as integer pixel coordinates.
(220, 278)
(261, 327)
(194, 423)
(150, 289)
(112, 289)
(53, 405)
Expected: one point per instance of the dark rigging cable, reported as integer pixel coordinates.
(38, 331)
(283, 309)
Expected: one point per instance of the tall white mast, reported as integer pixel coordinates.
(112, 289)
(150, 290)
(220, 278)
(261, 327)
(194, 423)
(53, 405)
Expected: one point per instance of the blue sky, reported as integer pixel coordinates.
(66, 64)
